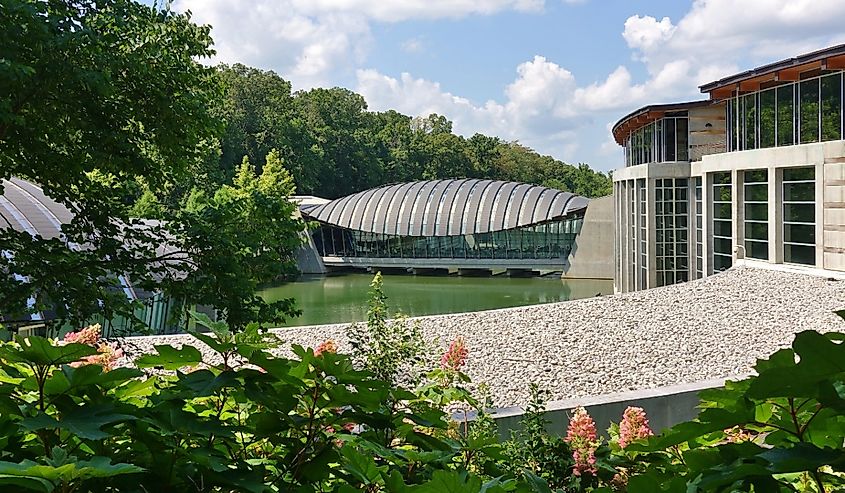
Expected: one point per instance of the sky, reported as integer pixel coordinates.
(554, 75)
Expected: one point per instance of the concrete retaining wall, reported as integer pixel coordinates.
(665, 407)
(592, 253)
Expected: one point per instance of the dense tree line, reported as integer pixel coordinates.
(105, 105)
(334, 146)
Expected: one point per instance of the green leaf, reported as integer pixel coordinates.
(449, 481)
(362, 467)
(30, 483)
(41, 351)
(170, 358)
(537, 484)
(801, 457)
(84, 421)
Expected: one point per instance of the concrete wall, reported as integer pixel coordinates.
(828, 158)
(592, 253)
(308, 260)
(665, 407)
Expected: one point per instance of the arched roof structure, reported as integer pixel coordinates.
(446, 207)
(25, 207)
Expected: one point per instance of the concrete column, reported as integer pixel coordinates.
(820, 214)
(706, 222)
(738, 207)
(737, 214)
(775, 216)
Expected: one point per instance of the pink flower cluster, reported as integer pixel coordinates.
(108, 354)
(583, 439)
(89, 335)
(456, 356)
(327, 346)
(634, 426)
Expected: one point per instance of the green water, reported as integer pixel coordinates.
(343, 298)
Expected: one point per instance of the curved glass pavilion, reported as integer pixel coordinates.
(450, 219)
(25, 207)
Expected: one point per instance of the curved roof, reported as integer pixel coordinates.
(446, 207)
(647, 114)
(25, 207)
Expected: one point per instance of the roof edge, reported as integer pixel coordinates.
(811, 57)
(657, 107)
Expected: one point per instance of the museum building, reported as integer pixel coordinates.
(754, 174)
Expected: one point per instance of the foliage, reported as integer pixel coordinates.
(532, 448)
(92, 96)
(393, 350)
(336, 147)
(242, 421)
(243, 235)
(781, 430)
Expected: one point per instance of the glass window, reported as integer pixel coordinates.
(749, 111)
(722, 222)
(785, 123)
(682, 131)
(647, 139)
(658, 140)
(669, 132)
(799, 216)
(733, 128)
(756, 221)
(809, 109)
(767, 118)
(832, 107)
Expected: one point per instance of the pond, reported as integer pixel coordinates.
(343, 298)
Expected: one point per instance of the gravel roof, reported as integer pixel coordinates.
(706, 329)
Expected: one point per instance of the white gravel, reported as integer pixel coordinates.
(707, 329)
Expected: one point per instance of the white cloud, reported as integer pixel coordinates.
(314, 42)
(644, 32)
(716, 36)
(324, 42)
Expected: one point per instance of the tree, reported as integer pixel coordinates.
(344, 143)
(244, 235)
(259, 112)
(94, 94)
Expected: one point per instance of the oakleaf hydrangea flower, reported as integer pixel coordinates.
(108, 353)
(456, 356)
(89, 335)
(634, 426)
(327, 346)
(583, 439)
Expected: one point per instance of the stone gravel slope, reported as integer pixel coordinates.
(711, 328)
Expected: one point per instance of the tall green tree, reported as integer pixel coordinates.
(243, 235)
(94, 94)
(344, 143)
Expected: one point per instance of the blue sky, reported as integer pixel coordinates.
(551, 74)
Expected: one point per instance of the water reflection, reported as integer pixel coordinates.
(337, 299)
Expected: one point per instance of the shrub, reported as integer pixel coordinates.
(246, 421)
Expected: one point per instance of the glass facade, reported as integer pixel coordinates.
(722, 222)
(799, 216)
(798, 113)
(550, 240)
(671, 232)
(663, 140)
(756, 203)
